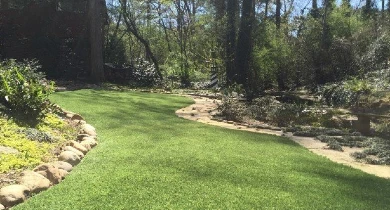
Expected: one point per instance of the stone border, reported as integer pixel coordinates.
(204, 107)
(42, 177)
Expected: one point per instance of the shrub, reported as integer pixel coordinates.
(23, 89)
(347, 93)
(262, 107)
(144, 73)
(232, 109)
(286, 114)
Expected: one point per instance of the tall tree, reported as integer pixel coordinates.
(232, 8)
(131, 26)
(368, 8)
(220, 10)
(314, 9)
(245, 45)
(95, 20)
(277, 13)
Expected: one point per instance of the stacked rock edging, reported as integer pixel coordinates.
(46, 175)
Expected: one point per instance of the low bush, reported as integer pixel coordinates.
(24, 90)
(144, 74)
(232, 109)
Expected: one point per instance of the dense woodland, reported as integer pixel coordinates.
(255, 45)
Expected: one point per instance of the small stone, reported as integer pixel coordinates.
(63, 165)
(50, 172)
(72, 149)
(69, 157)
(78, 146)
(88, 129)
(2, 207)
(34, 181)
(13, 194)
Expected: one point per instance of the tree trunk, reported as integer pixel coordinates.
(277, 14)
(220, 10)
(132, 28)
(231, 32)
(245, 45)
(96, 40)
(368, 8)
(314, 9)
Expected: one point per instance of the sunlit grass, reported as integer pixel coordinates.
(150, 159)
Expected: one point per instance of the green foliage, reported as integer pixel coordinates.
(377, 55)
(286, 114)
(347, 93)
(24, 90)
(144, 74)
(231, 109)
(37, 135)
(30, 152)
(261, 108)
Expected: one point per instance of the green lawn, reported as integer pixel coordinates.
(150, 159)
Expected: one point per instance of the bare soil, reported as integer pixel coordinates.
(204, 108)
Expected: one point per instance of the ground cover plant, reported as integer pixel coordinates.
(150, 159)
(34, 145)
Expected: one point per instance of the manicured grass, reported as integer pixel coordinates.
(150, 159)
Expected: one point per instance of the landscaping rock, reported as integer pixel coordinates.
(13, 194)
(72, 149)
(50, 172)
(69, 157)
(8, 150)
(63, 165)
(88, 129)
(86, 145)
(76, 117)
(92, 141)
(2, 207)
(63, 173)
(81, 136)
(34, 181)
(78, 146)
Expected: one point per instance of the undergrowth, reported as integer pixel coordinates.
(34, 144)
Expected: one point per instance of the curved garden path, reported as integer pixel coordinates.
(204, 107)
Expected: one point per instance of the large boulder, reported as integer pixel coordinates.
(50, 172)
(72, 149)
(63, 165)
(69, 157)
(78, 146)
(34, 181)
(13, 194)
(88, 129)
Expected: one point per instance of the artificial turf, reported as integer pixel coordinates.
(150, 159)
